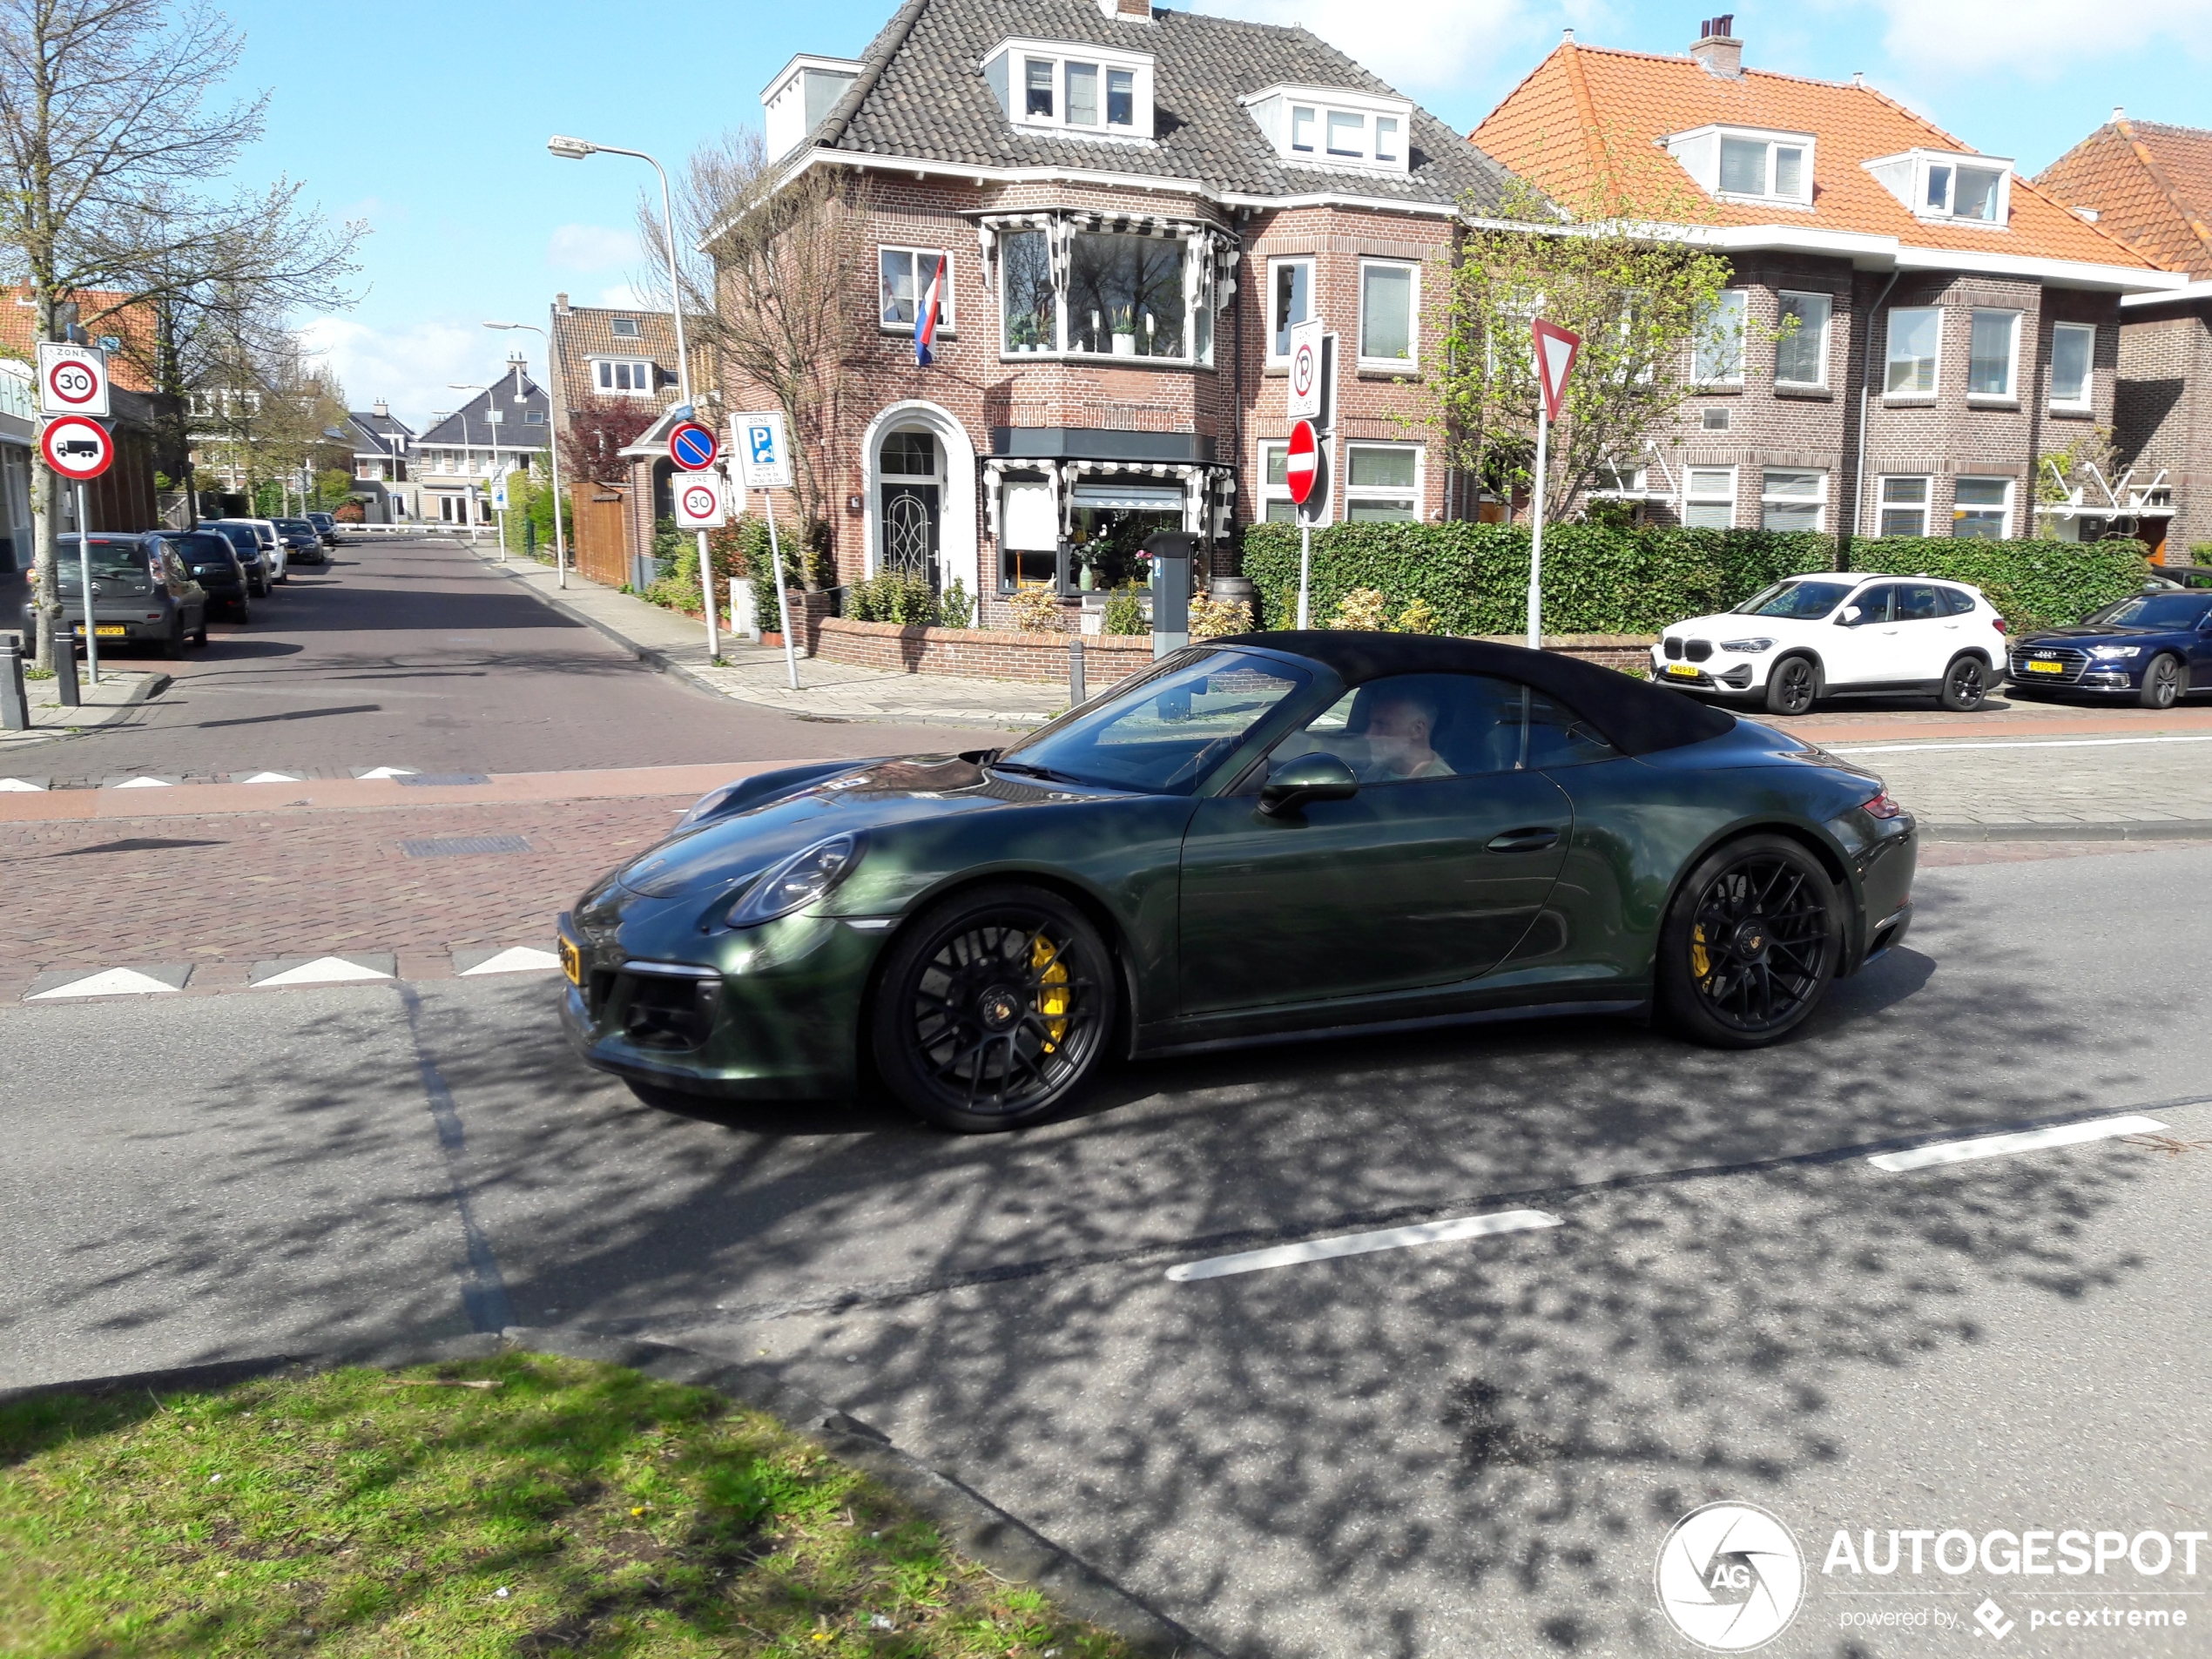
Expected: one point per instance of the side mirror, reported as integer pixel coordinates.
(1314, 777)
(1851, 614)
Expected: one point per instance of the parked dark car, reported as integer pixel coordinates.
(1273, 835)
(325, 526)
(247, 545)
(302, 541)
(2155, 647)
(214, 564)
(142, 594)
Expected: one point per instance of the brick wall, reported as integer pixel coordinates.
(2164, 416)
(979, 654)
(1607, 651)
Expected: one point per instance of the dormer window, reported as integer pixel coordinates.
(1075, 91)
(1975, 190)
(1333, 128)
(623, 328)
(1741, 164)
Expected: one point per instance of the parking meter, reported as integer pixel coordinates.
(1171, 552)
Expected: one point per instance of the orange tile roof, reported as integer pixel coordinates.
(1584, 112)
(102, 314)
(2150, 183)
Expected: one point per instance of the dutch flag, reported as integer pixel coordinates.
(926, 317)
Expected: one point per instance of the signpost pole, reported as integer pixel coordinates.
(783, 599)
(1536, 535)
(85, 587)
(1304, 568)
(706, 595)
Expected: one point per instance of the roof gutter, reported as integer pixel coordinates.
(2171, 296)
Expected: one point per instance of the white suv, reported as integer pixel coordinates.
(1828, 632)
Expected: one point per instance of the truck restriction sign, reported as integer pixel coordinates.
(698, 502)
(692, 447)
(1302, 465)
(72, 380)
(76, 447)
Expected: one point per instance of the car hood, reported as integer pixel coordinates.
(1735, 625)
(866, 798)
(2085, 636)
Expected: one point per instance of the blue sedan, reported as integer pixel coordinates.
(2154, 647)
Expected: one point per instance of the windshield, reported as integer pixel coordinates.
(240, 537)
(200, 548)
(297, 526)
(2154, 611)
(110, 559)
(1166, 732)
(1796, 600)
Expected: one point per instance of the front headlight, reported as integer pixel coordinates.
(797, 882)
(1747, 647)
(2115, 653)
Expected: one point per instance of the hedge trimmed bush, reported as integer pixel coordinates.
(1600, 579)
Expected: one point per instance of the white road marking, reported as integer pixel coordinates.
(386, 773)
(143, 782)
(2009, 743)
(1998, 1146)
(273, 778)
(114, 982)
(1322, 1249)
(16, 786)
(522, 959)
(323, 970)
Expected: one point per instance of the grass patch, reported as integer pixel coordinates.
(569, 1508)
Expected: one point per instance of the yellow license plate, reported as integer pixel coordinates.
(2046, 668)
(104, 630)
(1684, 670)
(571, 962)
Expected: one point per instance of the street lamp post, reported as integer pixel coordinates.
(575, 150)
(552, 442)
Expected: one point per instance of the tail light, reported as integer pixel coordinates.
(1998, 622)
(1883, 806)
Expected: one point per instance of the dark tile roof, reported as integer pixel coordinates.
(466, 427)
(921, 94)
(585, 332)
(378, 433)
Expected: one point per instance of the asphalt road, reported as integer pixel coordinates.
(1470, 1448)
(415, 654)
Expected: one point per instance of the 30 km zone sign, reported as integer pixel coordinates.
(698, 502)
(76, 447)
(72, 380)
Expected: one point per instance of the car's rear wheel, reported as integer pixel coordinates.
(1749, 944)
(993, 1009)
(242, 608)
(1966, 684)
(1793, 685)
(2161, 683)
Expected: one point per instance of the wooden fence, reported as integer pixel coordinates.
(600, 553)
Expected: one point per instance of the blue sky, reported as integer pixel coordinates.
(430, 121)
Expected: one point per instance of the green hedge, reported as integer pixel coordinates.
(1599, 579)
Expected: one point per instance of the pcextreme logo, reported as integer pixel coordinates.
(1731, 1577)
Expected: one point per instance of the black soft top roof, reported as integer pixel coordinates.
(1636, 717)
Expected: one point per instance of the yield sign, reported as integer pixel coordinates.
(1301, 467)
(76, 447)
(1556, 351)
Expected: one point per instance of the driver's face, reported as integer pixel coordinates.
(1400, 722)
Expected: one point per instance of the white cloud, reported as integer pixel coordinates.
(1411, 43)
(623, 296)
(590, 247)
(410, 367)
(2039, 37)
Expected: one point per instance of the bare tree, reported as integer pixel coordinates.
(774, 298)
(265, 412)
(110, 120)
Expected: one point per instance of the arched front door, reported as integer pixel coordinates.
(910, 466)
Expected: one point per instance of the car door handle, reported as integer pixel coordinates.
(1533, 839)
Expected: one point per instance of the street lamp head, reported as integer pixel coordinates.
(503, 325)
(570, 149)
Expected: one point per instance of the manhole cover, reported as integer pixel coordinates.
(462, 847)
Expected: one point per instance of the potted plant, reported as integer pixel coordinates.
(1124, 332)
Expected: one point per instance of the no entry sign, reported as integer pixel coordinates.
(1302, 465)
(72, 380)
(76, 447)
(692, 447)
(698, 502)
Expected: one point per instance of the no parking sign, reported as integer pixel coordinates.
(700, 505)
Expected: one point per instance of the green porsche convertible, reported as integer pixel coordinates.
(1276, 835)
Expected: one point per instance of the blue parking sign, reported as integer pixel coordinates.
(762, 456)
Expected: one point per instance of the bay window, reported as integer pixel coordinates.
(1801, 355)
(1105, 292)
(2073, 346)
(1030, 306)
(1387, 308)
(1125, 296)
(1990, 354)
(1915, 345)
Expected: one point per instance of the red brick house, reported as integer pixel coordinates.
(1130, 207)
(2152, 184)
(1921, 327)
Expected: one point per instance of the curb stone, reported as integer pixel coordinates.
(979, 1527)
(2175, 829)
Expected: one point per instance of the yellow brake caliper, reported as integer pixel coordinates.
(1057, 996)
(1700, 963)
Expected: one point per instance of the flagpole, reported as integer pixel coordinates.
(1536, 535)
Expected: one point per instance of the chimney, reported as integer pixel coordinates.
(1567, 36)
(1127, 10)
(560, 305)
(1717, 49)
(2119, 114)
(380, 409)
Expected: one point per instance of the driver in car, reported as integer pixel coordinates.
(1398, 728)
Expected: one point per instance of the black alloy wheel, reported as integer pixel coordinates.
(1749, 944)
(993, 1009)
(2161, 683)
(242, 607)
(1966, 684)
(1793, 685)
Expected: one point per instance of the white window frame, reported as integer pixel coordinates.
(1287, 113)
(1627, 483)
(1769, 498)
(1019, 53)
(603, 376)
(1907, 176)
(1266, 494)
(1883, 505)
(1389, 493)
(1827, 324)
(1959, 512)
(1411, 363)
(1065, 351)
(1698, 151)
(945, 317)
(1889, 357)
(2089, 398)
(625, 328)
(1280, 359)
(1741, 300)
(2011, 393)
(1689, 499)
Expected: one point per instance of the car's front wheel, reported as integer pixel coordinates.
(1749, 944)
(1966, 684)
(993, 1009)
(2161, 683)
(1792, 687)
